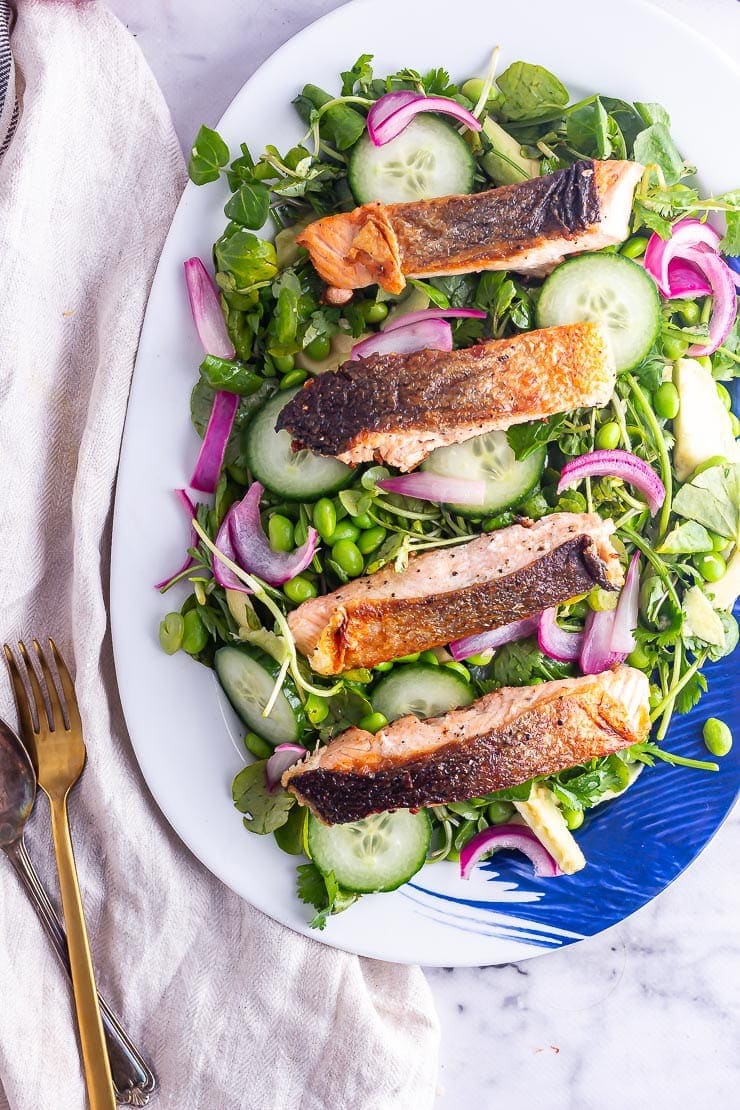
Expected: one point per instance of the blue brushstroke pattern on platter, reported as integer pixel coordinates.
(635, 845)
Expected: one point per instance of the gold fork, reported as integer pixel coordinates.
(59, 755)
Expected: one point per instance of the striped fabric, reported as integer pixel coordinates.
(8, 101)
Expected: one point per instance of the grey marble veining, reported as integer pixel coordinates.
(645, 1016)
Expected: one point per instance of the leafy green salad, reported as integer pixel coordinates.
(269, 325)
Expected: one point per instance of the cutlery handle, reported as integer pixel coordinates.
(133, 1079)
(92, 1042)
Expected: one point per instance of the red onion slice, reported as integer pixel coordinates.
(284, 756)
(724, 309)
(252, 547)
(206, 309)
(434, 487)
(429, 335)
(555, 641)
(597, 654)
(221, 572)
(189, 508)
(433, 314)
(625, 617)
(390, 115)
(685, 280)
(660, 252)
(616, 464)
(211, 455)
(495, 638)
(518, 837)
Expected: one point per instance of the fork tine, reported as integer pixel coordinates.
(22, 702)
(35, 689)
(68, 688)
(58, 716)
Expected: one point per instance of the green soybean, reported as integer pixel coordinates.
(639, 658)
(383, 667)
(459, 668)
(717, 736)
(724, 396)
(363, 520)
(429, 657)
(500, 812)
(674, 348)
(293, 379)
(299, 589)
(608, 436)
(319, 348)
(634, 247)
(413, 657)
(195, 634)
(689, 311)
(346, 554)
(370, 539)
(373, 722)
(316, 709)
(711, 566)
(280, 532)
(257, 746)
(473, 89)
(666, 401)
(374, 312)
(171, 630)
(283, 363)
(481, 660)
(573, 818)
(324, 517)
(345, 530)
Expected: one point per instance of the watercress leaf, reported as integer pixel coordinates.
(686, 538)
(225, 373)
(628, 120)
(436, 296)
(526, 438)
(730, 245)
(587, 130)
(655, 146)
(208, 155)
(651, 113)
(712, 498)
(530, 91)
(264, 810)
(250, 260)
(359, 77)
(355, 501)
(341, 123)
(731, 636)
(250, 205)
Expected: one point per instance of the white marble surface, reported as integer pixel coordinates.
(648, 1013)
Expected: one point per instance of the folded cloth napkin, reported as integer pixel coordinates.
(232, 1009)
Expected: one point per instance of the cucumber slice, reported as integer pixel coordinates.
(421, 689)
(247, 676)
(295, 475)
(609, 288)
(428, 159)
(489, 457)
(381, 852)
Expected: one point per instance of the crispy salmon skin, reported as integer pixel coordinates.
(447, 594)
(501, 740)
(528, 227)
(398, 408)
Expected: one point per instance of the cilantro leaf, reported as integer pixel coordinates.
(731, 243)
(319, 891)
(208, 155)
(264, 810)
(518, 663)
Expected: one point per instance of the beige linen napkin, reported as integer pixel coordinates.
(232, 1009)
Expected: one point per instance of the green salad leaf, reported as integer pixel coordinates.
(208, 156)
(248, 259)
(530, 91)
(685, 539)
(264, 810)
(655, 146)
(520, 664)
(712, 498)
(250, 205)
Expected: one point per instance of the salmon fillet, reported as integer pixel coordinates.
(446, 594)
(397, 408)
(501, 740)
(529, 227)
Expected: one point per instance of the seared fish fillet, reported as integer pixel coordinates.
(502, 740)
(454, 592)
(398, 408)
(528, 227)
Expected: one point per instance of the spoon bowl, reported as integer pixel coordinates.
(17, 786)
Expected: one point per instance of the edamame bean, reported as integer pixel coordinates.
(299, 589)
(280, 532)
(711, 566)
(689, 311)
(345, 530)
(346, 554)
(634, 247)
(481, 660)
(573, 818)
(293, 378)
(171, 631)
(453, 665)
(324, 517)
(608, 436)
(412, 658)
(374, 311)
(622, 774)
(602, 601)
(370, 539)
(473, 89)
(429, 657)
(717, 736)
(500, 812)
(373, 722)
(319, 348)
(257, 746)
(363, 520)
(674, 348)
(316, 709)
(363, 675)
(195, 633)
(724, 396)
(639, 658)
(383, 667)
(283, 363)
(666, 401)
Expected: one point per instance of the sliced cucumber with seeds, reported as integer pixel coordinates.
(296, 475)
(248, 676)
(428, 159)
(381, 852)
(421, 689)
(490, 458)
(611, 289)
